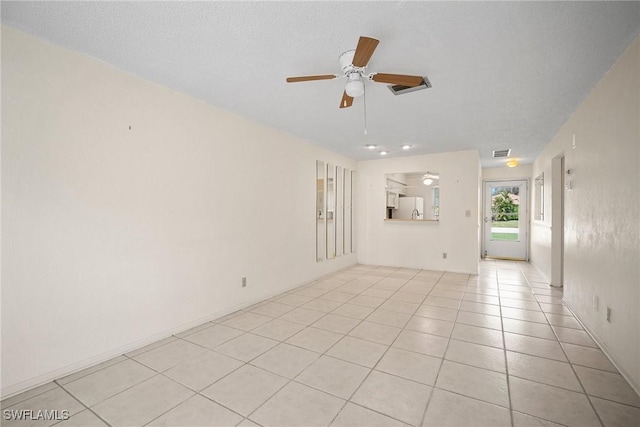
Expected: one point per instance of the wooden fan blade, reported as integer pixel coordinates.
(397, 79)
(309, 78)
(347, 101)
(366, 47)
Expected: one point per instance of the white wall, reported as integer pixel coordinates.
(602, 237)
(115, 237)
(420, 245)
(502, 173)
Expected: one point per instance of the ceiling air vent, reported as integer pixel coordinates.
(401, 90)
(501, 153)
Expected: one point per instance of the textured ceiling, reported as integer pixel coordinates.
(504, 74)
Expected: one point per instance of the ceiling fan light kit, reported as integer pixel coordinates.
(353, 65)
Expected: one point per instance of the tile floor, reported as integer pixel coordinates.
(367, 346)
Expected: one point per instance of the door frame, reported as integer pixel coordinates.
(488, 223)
(557, 219)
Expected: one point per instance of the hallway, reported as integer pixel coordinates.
(370, 346)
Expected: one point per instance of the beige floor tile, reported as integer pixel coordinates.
(481, 320)
(203, 370)
(450, 409)
(589, 357)
(563, 320)
(83, 373)
(367, 301)
(616, 415)
(431, 345)
(477, 355)
(524, 420)
(285, 360)
(303, 316)
(169, 355)
(405, 296)
(376, 332)
(272, 309)
(485, 299)
(84, 418)
(10, 401)
(53, 399)
(378, 293)
(519, 303)
(335, 323)
(474, 382)
(100, 385)
(518, 295)
(334, 376)
(534, 346)
(354, 311)
(246, 347)
(356, 416)
(355, 350)
(318, 340)
(478, 307)
(396, 397)
(294, 300)
(278, 329)
(245, 389)
(548, 299)
(151, 346)
(323, 305)
(574, 336)
(552, 403)
(247, 321)
(143, 402)
(390, 318)
(194, 330)
(337, 296)
(607, 385)
(551, 372)
(417, 287)
(442, 293)
(539, 330)
(555, 308)
(442, 328)
(442, 302)
(400, 306)
(310, 292)
(478, 335)
(197, 411)
(527, 315)
(413, 366)
(213, 336)
(439, 313)
(298, 405)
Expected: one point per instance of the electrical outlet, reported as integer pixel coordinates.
(244, 282)
(608, 314)
(444, 255)
(595, 302)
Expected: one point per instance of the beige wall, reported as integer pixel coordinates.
(420, 245)
(602, 238)
(114, 237)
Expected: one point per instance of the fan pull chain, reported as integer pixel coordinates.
(364, 102)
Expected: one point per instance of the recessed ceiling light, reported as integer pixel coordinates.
(406, 146)
(384, 153)
(371, 146)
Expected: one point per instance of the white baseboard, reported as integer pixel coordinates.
(635, 384)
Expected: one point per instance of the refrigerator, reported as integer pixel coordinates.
(410, 208)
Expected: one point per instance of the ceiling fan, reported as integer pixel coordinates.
(353, 64)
